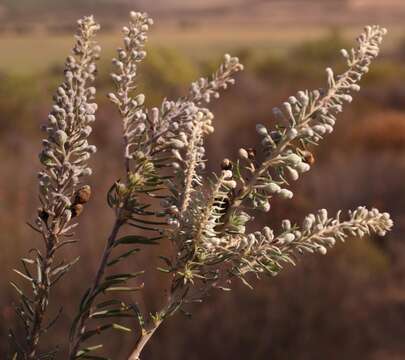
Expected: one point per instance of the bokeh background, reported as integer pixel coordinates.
(347, 305)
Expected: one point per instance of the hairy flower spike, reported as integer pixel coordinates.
(304, 120)
(205, 89)
(64, 157)
(264, 252)
(130, 106)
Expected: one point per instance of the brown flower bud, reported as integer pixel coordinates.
(226, 164)
(77, 209)
(308, 157)
(82, 195)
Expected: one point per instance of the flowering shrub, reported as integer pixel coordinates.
(166, 195)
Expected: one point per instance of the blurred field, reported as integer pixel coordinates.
(197, 43)
(348, 305)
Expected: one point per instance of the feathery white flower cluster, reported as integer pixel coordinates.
(175, 119)
(212, 229)
(205, 89)
(176, 130)
(131, 107)
(183, 125)
(164, 159)
(172, 136)
(64, 157)
(262, 251)
(303, 120)
(66, 151)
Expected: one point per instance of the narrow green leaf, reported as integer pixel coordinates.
(28, 261)
(19, 291)
(142, 227)
(82, 352)
(109, 303)
(121, 257)
(124, 289)
(132, 239)
(148, 222)
(64, 268)
(124, 277)
(88, 334)
(166, 260)
(121, 328)
(110, 313)
(246, 283)
(23, 275)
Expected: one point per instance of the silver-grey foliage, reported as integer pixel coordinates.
(166, 194)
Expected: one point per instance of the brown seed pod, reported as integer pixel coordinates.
(82, 195)
(226, 164)
(309, 158)
(76, 209)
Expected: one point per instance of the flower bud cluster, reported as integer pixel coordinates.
(205, 89)
(208, 221)
(172, 136)
(168, 121)
(187, 152)
(262, 251)
(303, 121)
(131, 107)
(66, 150)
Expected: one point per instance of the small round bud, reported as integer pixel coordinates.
(140, 99)
(273, 188)
(60, 137)
(243, 154)
(231, 184)
(86, 172)
(286, 194)
(261, 130)
(266, 206)
(227, 174)
(292, 134)
(303, 167)
(293, 174)
(286, 224)
(293, 159)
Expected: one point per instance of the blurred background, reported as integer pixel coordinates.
(348, 305)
